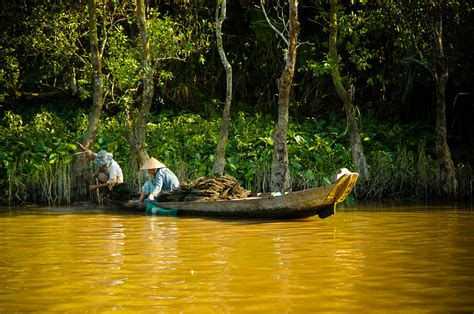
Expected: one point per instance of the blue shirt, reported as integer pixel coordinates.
(164, 179)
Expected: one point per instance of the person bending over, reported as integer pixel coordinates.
(161, 178)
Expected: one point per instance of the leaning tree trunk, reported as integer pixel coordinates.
(358, 155)
(280, 176)
(219, 163)
(445, 166)
(81, 167)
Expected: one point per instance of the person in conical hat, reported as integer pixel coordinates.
(161, 178)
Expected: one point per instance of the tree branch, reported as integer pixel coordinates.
(271, 25)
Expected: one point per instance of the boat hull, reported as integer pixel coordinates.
(320, 201)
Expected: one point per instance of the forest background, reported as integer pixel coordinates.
(146, 78)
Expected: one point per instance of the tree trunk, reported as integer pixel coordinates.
(444, 163)
(219, 163)
(140, 119)
(280, 176)
(358, 156)
(81, 167)
(98, 100)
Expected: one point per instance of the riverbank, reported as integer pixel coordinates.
(38, 152)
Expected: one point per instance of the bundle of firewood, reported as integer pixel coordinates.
(207, 189)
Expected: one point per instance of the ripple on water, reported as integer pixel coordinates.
(417, 261)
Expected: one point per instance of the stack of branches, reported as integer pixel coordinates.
(207, 189)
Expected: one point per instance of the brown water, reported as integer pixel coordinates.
(362, 259)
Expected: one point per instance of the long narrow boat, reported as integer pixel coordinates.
(321, 201)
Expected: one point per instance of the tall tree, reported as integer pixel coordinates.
(81, 163)
(280, 176)
(219, 163)
(98, 94)
(346, 96)
(440, 70)
(137, 132)
(163, 38)
(420, 23)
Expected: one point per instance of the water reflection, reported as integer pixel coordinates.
(360, 259)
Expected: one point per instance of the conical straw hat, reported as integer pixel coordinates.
(152, 163)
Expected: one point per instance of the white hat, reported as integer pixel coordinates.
(152, 163)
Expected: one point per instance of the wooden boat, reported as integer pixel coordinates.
(321, 201)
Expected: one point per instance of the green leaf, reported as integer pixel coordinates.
(309, 174)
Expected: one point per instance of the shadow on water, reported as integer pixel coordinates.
(92, 208)
(82, 208)
(224, 219)
(397, 206)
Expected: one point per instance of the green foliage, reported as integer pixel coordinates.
(122, 62)
(171, 39)
(186, 143)
(356, 54)
(32, 153)
(400, 175)
(57, 32)
(314, 153)
(416, 23)
(40, 150)
(45, 136)
(9, 72)
(45, 47)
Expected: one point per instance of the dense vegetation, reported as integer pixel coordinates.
(46, 91)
